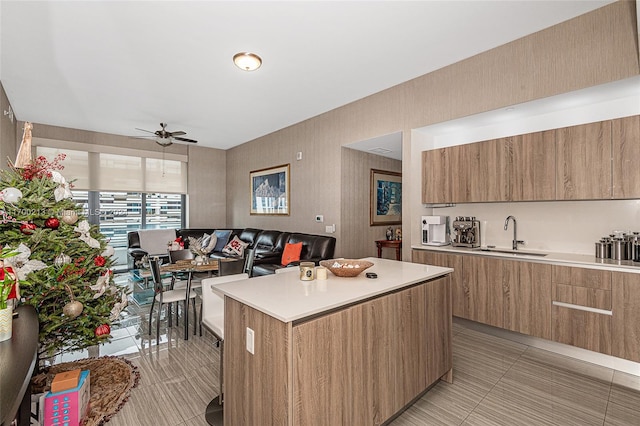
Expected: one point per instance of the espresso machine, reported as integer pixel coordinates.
(466, 232)
(435, 231)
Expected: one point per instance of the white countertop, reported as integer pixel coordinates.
(285, 297)
(564, 259)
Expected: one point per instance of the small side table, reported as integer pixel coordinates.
(396, 244)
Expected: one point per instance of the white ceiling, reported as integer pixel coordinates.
(112, 66)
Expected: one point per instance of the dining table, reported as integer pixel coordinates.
(189, 267)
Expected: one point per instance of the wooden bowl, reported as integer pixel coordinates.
(346, 267)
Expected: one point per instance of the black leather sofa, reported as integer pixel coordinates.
(267, 247)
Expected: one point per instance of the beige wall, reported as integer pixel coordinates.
(592, 49)
(357, 236)
(207, 187)
(8, 129)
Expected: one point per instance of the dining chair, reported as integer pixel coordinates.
(164, 296)
(196, 278)
(226, 267)
(213, 320)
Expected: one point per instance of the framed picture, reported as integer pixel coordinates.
(269, 189)
(386, 198)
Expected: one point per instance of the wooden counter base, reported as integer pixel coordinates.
(360, 365)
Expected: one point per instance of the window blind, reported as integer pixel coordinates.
(134, 172)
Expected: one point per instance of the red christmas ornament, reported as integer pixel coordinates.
(103, 330)
(28, 228)
(52, 223)
(9, 271)
(99, 261)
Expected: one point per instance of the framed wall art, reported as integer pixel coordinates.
(385, 198)
(269, 189)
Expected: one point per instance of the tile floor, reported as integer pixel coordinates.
(496, 382)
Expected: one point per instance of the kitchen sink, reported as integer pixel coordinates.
(514, 252)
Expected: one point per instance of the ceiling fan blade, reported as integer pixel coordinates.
(177, 133)
(185, 140)
(143, 130)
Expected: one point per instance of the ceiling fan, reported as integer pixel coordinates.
(166, 138)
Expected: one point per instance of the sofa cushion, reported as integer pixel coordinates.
(249, 235)
(185, 233)
(291, 253)
(235, 247)
(156, 241)
(314, 247)
(223, 238)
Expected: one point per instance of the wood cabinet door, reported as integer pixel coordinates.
(583, 159)
(362, 364)
(482, 284)
(459, 174)
(486, 165)
(459, 296)
(626, 316)
(527, 298)
(436, 179)
(625, 146)
(532, 167)
(584, 329)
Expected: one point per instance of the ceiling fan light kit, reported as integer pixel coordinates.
(166, 141)
(247, 61)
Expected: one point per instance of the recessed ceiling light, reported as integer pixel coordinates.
(247, 61)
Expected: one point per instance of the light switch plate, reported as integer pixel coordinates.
(250, 340)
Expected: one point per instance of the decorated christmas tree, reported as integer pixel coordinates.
(63, 263)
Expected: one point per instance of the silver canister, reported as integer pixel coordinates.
(619, 249)
(628, 242)
(603, 249)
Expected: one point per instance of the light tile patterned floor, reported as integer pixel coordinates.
(496, 382)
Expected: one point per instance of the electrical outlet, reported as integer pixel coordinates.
(330, 228)
(250, 340)
(319, 218)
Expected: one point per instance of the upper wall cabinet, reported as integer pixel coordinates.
(595, 161)
(487, 174)
(625, 147)
(436, 175)
(583, 156)
(470, 173)
(532, 167)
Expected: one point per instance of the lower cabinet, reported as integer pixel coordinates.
(527, 298)
(499, 292)
(584, 329)
(358, 365)
(592, 309)
(482, 281)
(363, 364)
(446, 260)
(625, 325)
(582, 313)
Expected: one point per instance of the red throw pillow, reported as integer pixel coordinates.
(291, 253)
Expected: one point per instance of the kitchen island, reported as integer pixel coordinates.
(340, 351)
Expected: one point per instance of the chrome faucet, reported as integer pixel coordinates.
(515, 243)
